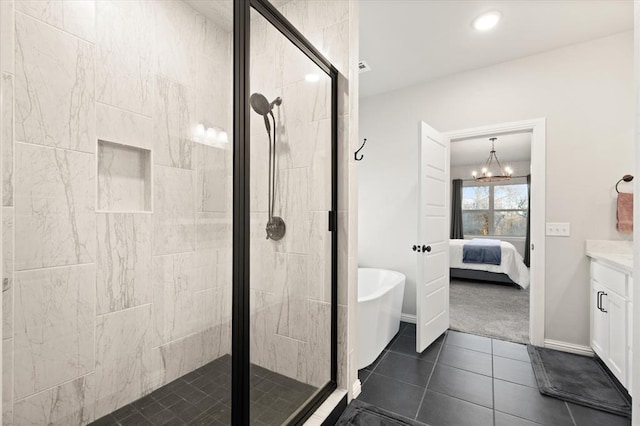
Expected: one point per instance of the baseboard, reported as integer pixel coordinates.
(408, 318)
(568, 347)
(357, 388)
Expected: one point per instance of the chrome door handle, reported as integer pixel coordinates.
(601, 308)
(598, 302)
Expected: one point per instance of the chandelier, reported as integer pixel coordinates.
(492, 171)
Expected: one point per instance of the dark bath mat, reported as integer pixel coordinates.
(579, 379)
(359, 413)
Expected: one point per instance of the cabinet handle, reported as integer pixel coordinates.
(601, 308)
(599, 301)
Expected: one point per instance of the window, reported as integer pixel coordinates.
(498, 209)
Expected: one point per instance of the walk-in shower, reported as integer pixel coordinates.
(276, 227)
(138, 286)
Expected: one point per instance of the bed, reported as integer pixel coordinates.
(511, 269)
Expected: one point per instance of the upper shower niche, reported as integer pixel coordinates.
(124, 178)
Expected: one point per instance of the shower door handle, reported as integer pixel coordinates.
(333, 220)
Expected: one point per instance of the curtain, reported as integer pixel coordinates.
(527, 241)
(456, 210)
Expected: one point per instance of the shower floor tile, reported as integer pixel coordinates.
(203, 397)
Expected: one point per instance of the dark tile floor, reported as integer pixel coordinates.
(203, 397)
(462, 379)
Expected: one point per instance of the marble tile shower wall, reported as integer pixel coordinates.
(100, 307)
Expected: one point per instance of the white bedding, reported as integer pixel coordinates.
(512, 263)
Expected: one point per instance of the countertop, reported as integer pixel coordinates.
(617, 254)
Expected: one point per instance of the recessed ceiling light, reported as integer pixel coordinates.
(486, 21)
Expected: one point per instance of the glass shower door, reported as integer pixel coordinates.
(290, 252)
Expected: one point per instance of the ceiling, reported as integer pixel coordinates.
(406, 42)
(474, 152)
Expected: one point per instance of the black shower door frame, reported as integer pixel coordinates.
(240, 346)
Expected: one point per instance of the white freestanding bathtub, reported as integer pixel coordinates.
(380, 294)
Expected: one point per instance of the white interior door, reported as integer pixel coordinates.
(432, 245)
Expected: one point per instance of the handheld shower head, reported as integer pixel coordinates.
(260, 104)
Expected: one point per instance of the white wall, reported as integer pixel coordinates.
(585, 91)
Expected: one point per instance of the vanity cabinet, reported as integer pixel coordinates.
(611, 309)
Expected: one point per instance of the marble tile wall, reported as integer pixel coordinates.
(104, 299)
(7, 113)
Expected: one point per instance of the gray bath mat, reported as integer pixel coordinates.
(579, 379)
(359, 413)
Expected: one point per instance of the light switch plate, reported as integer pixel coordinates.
(558, 229)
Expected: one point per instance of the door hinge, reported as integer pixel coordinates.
(333, 221)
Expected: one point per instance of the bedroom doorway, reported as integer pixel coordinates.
(504, 300)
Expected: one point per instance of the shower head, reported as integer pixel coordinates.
(261, 105)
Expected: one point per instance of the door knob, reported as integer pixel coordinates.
(415, 247)
(426, 248)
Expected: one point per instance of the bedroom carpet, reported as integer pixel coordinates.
(491, 310)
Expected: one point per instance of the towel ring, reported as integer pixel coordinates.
(626, 178)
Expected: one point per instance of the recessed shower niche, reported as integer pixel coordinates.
(124, 178)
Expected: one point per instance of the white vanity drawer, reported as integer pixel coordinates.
(610, 278)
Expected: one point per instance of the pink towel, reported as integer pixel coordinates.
(625, 213)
